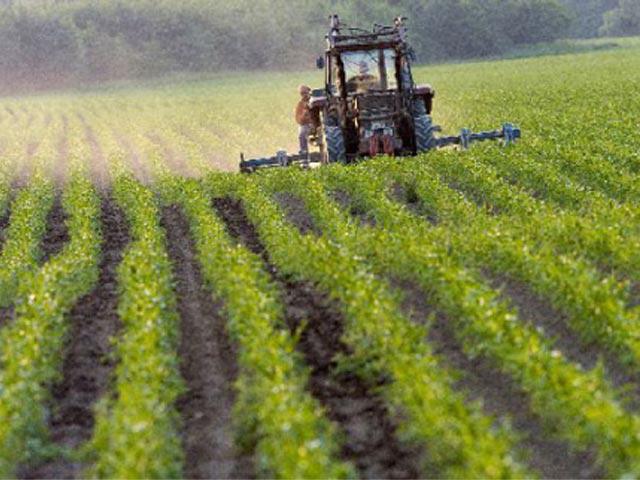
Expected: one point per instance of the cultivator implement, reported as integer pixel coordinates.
(508, 134)
(281, 159)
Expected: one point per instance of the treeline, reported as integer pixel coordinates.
(57, 41)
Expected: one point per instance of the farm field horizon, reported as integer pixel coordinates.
(466, 314)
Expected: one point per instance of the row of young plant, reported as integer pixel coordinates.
(27, 207)
(137, 427)
(575, 405)
(602, 168)
(605, 167)
(31, 346)
(273, 411)
(460, 440)
(20, 141)
(27, 224)
(601, 242)
(546, 181)
(595, 304)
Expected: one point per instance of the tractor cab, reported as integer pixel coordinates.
(369, 91)
(365, 71)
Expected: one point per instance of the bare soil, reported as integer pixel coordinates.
(297, 213)
(6, 313)
(538, 312)
(368, 430)
(634, 294)
(56, 234)
(343, 199)
(408, 197)
(208, 366)
(87, 365)
(500, 396)
(4, 223)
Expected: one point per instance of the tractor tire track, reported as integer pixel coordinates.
(87, 365)
(370, 439)
(208, 366)
(499, 394)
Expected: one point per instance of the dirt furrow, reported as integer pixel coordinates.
(56, 234)
(87, 365)
(407, 196)
(370, 440)
(4, 224)
(500, 396)
(296, 213)
(6, 313)
(208, 366)
(539, 313)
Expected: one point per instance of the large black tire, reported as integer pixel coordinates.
(334, 144)
(424, 132)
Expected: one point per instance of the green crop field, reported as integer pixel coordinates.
(468, 314)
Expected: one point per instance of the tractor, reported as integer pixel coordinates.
(370, 104)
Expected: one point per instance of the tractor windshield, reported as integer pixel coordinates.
(370, 70)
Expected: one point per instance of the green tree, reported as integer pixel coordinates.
(622, 21)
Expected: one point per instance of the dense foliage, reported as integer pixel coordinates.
(53, 43)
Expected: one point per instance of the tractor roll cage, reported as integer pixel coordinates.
(395, 34)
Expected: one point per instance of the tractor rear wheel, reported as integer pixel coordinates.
(424, 132)
(334, 147)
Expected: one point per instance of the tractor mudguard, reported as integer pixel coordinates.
(427, 93)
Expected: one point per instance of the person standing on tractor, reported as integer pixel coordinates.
(303, 118)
